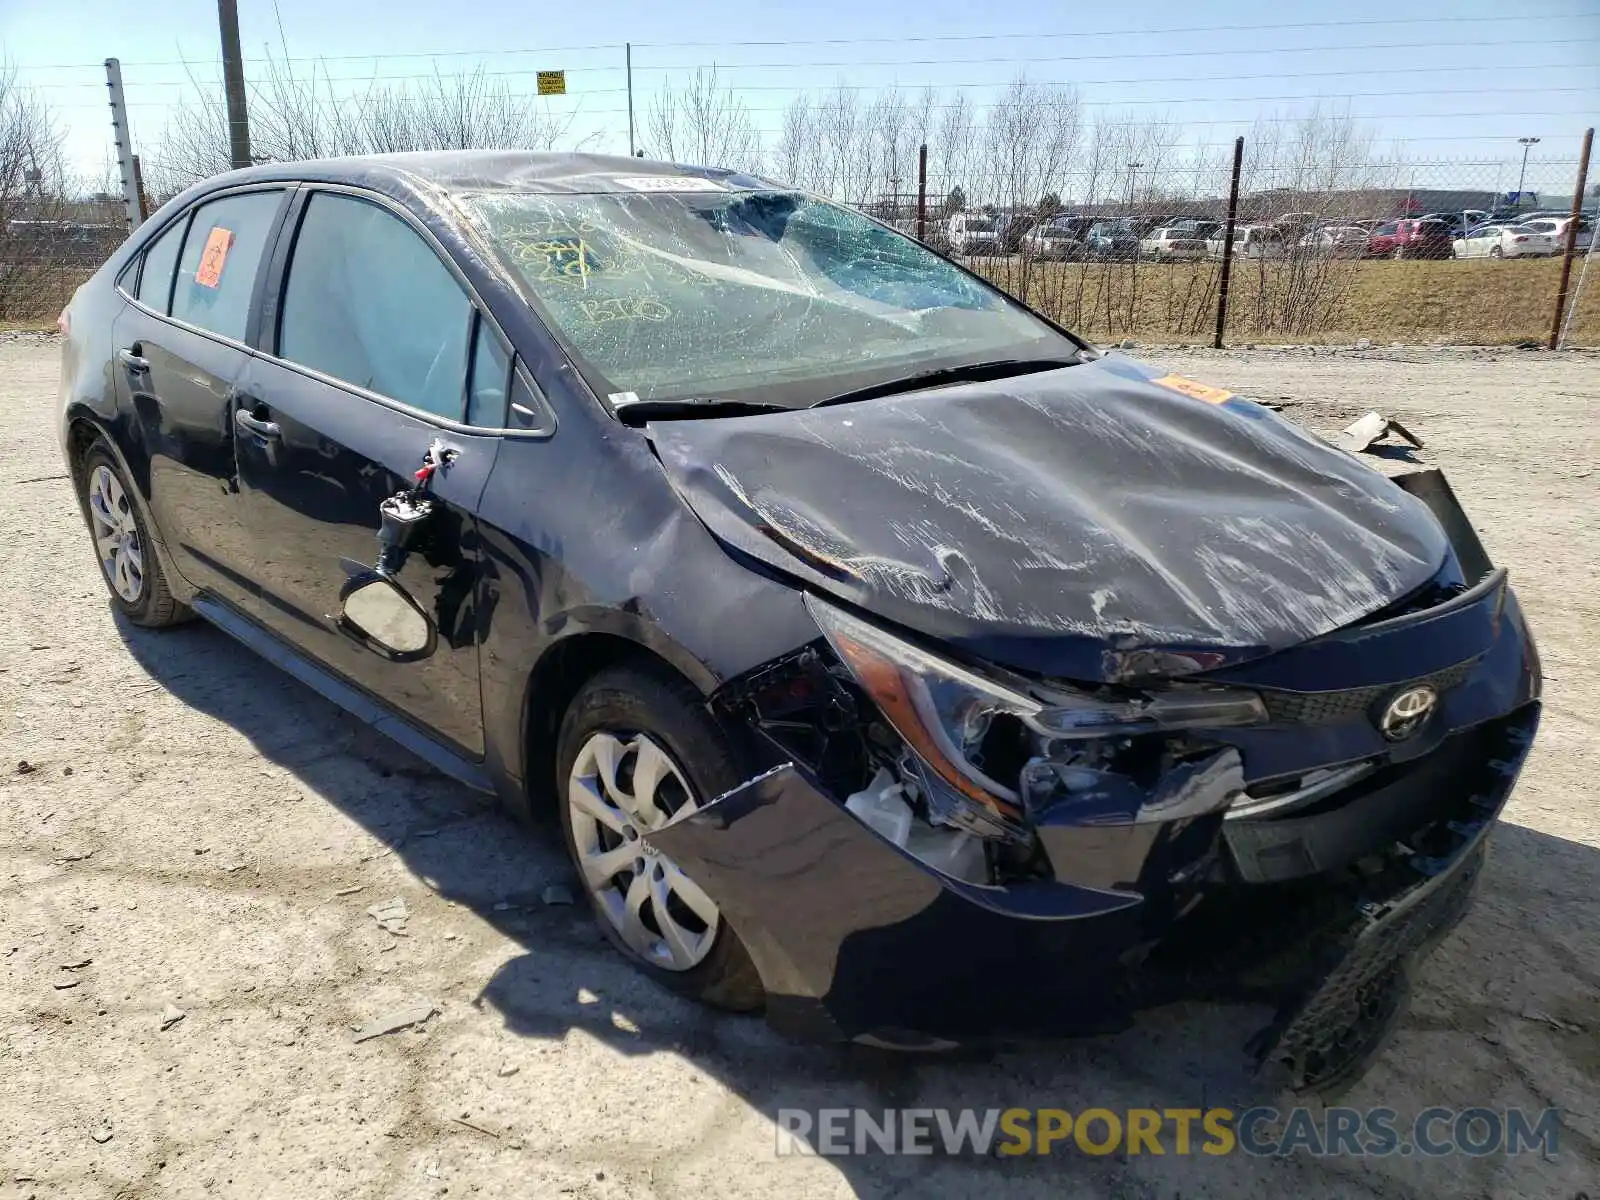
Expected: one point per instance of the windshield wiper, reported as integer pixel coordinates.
(978, 372)
(641, 411)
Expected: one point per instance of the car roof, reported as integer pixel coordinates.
(462, 171)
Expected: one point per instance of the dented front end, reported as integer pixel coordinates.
(948, 854)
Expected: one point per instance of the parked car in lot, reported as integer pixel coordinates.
(1293, 225)
(1113, 240)
(1503, 241)
(1249, 241)
(1383, 241)
(1172, 242)
(891, 660)
(1064, 238)
(1335, 241)
(1421, 238)
(1555, 228)
(973, 233)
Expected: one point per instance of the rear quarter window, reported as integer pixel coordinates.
(155, 279)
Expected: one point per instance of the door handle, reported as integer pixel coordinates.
(133, 360)
(256, 426)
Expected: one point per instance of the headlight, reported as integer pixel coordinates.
(944, 711)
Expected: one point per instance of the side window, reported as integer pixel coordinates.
(491, 369)
(155, 281)
(369, 302)
(217, 273)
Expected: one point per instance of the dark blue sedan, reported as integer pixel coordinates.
(894, 660)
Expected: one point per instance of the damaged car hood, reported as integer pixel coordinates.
(1091, 522)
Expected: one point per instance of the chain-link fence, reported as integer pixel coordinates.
(1322, 250)
(48, 246)
(1330, 243)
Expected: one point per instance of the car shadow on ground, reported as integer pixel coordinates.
(567, 978)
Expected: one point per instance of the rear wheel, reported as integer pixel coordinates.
(122, 544)
(1496, 252)
(636, 750)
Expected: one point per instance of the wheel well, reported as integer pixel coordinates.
(554, 684)
(81, 434)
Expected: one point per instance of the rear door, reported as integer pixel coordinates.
(181, 343)
(372, 350)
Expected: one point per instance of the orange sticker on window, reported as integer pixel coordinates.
(1199, 391)
(214, 257)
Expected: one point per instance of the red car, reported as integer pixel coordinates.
(1410, 238)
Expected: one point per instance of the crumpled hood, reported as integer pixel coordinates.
(1089, 522)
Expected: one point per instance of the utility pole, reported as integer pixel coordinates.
(124, 140)
(1132, 167)
(1227, 243)
(1572, 237)
(629, 60)
(233, 83)
(1527, 143)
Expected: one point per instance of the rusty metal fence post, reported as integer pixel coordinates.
(922, 192)
(1227, 243)
(1572, 237)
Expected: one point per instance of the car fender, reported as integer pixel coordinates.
(135, 469)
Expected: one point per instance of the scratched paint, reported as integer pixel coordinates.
(1076, 504)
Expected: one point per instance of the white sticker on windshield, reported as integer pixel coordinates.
(622, 399)
(669, 183)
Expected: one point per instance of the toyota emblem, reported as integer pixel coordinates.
(1407, 712)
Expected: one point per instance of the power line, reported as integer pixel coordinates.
(1029, 35)
(834, 87)
(912, 105)
(1125, 32)
(1432, 116)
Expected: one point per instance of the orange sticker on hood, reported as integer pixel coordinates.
(1199, 391)
(214, 257)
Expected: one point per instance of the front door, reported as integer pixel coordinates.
(180, 347)
(374, 344)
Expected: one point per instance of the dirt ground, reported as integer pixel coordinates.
(197, 830)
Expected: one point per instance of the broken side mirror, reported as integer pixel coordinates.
(379, 612)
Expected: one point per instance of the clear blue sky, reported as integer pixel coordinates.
(1449, 85)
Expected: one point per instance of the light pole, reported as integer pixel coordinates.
(1527, 143)
(1132, 167)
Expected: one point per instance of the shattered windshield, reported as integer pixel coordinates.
(769, 296)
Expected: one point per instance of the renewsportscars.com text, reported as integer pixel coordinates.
(1261, 1131)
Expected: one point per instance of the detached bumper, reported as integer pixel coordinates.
(855, 939)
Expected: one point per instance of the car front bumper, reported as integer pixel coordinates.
(854, 939)
(1164, 898)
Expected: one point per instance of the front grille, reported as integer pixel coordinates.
(1326, 708)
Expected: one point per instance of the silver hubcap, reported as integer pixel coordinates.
(619, 789)
(116, 537)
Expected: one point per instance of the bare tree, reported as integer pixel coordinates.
(954, 149)
(299, 115)
(33, 187)
(796, 152)
(704, 122)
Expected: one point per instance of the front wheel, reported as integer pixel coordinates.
(637, 749)
(1496, 252)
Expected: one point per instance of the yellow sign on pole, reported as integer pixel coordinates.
(552, 83)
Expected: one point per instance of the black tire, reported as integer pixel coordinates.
(155, 606)
(633, 699)
(1496, 252)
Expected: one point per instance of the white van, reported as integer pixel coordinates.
(974, 233)
(1249, 241)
